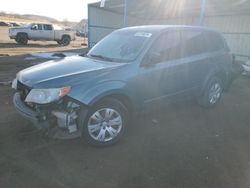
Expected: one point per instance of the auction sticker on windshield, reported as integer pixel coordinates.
(143, 34)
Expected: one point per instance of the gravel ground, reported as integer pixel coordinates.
(180, 146)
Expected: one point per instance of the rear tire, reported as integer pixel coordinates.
(212, 93)
(59, 42)
(22, 39)
(65, 41)
(105, 123)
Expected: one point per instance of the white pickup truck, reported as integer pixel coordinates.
(40, 31)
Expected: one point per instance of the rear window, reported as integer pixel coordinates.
(198, 42)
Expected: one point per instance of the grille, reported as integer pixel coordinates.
(24, 90)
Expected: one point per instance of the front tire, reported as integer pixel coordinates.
(212, 93)
(22, 39)
(105, 123)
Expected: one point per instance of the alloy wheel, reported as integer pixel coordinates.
(104, 124)
(214, 93)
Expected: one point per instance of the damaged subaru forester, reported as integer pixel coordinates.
(128, 72)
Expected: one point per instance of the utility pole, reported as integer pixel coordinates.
(125, 13)
(202, 12)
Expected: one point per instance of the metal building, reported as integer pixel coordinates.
(232, 17)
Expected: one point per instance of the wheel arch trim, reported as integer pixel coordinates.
(66, 35)
(24, 33)
(215, 72)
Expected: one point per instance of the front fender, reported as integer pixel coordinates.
(100, 90)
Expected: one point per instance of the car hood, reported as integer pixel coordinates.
(67, 70)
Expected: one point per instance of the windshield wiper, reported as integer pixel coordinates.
(101, 57)
(83, 54)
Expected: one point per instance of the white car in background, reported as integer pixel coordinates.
(42, 32)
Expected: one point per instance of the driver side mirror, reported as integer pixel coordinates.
(153, 58)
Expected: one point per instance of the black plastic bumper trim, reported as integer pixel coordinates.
(26, 112)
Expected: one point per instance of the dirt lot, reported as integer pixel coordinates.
(9, 47)
(181, 146)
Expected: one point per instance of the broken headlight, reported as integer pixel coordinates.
(44, 96)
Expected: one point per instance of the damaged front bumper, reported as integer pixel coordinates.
(61, 119)
(28, 113)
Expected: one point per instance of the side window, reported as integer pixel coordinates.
(193, 43)
(214, 41)
(167, 46)
(47, 27)
(40, 27)
(36, 27)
